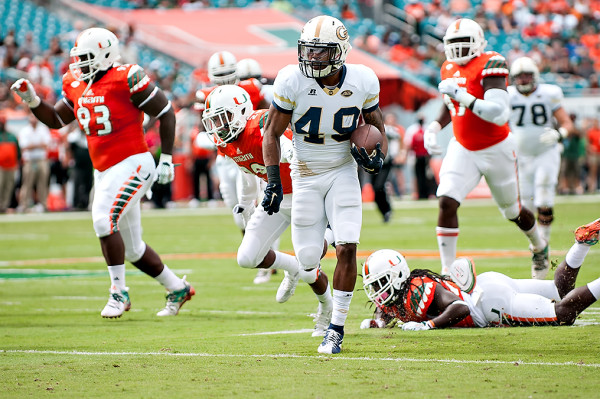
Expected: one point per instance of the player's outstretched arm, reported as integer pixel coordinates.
(54, 117)
(451, 310)
(495, 105)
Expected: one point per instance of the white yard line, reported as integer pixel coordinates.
(306, 330)
(291, 356)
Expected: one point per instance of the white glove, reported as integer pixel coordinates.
(25, 90)
(430, 138)
(165, 171)
(454, 91)
(551, 136)
(416, 326)
(246, 210)
(449, 87)
(372, 323)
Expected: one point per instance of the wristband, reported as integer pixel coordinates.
(563, 133)
(273, 174)
(35, 102)
(165, 158)
(430, 323)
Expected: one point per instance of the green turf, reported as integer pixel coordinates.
(53, 284)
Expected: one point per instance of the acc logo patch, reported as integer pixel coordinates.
(341, 33)
(346, 93)
(75, 83)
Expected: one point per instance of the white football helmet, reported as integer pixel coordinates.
(96, 49)
(222, 68)
(248, 68)
(525, 74)
(323, 47)
(384, 273)
(228, 108)
(464, 41)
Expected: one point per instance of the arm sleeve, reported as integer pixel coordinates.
(250, 188)
(494, 107)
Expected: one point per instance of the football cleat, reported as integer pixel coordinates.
(588, 234)
(287, 287)
(322, 319)
(539, 263)
(332, 342)
(176, 299)
(462, 272)
(118, 303)
(262, 276)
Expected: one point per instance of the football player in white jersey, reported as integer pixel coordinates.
(323, 98)
(539, 123)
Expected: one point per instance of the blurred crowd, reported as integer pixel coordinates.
(563, 37)
(42, 169)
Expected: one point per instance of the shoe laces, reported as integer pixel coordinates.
(333, 337)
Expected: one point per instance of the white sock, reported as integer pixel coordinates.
(447, 239)
(594, 288)
(169, 280)
(576, 255)
(535, 238)
(285, 262)
(341, 305)
(117, 277)
(325, 298)
(545, 231)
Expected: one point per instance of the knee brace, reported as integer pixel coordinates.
(309, 257)
(134, 252)
(310, 276)
(545, 215)
(511, 211)
(247, 259)
(102, 226)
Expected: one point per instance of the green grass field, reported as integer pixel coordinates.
(234, 340)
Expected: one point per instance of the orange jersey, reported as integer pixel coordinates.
(112, 124)
(420, 297)
(246, 150)
(252, 86)
(470, 130)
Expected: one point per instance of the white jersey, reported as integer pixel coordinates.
(323, 118)
(531, 114)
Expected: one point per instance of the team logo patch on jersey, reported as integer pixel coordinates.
(75, 83)
(346, 93)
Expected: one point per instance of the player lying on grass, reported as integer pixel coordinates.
(238, 133)
(423, 300)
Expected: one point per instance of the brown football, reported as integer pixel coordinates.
(366, 136)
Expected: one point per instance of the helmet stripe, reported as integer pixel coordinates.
(319, 24)
(457, 26)
(221, 60)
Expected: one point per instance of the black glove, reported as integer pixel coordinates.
(273, 198)
(370, 164)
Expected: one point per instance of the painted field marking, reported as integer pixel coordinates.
(303, 331)
(291, 356)
(416, 253)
